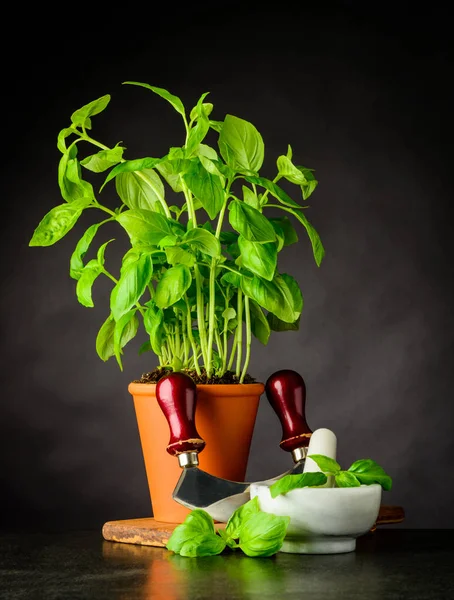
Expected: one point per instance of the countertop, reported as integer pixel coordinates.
(389, 564)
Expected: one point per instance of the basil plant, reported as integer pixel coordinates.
(201, 275)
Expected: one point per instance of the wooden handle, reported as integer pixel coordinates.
(177, 396)
(286, 393)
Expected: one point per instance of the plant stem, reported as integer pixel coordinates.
(239, 339)
(201, 315)
(177, 336)
(232, 354)
(211, 316)
(191, 337)
(248, 338)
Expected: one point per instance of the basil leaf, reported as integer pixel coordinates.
(124, 331)
(240, 516)
(260, 259)
(212, 167)
(171, 171)
(61, 139)
(231, 278)
(76, 263)
(79, 117)
(326, 464)
(263, 534)
(173, 100)
(288, 170)
(207, 110)
(103, 160)
(178, 256)
(274, 190)
(284, 225)
(131, 285)
(173, 285)
(241, 145)
(317, 246)
(197, 134)
(207, 152)
(58, 222)
(141, 189)
(198, 522)
(250, 223)
(275, 296)
(145, 347)
(129, 166)
(259, 324)
(72, 186)
(204, 241)
(105, 339)
(153, 321)
(145, 226)
(294, 482)
(311, 183)
(346, 479)
(89, 274)
(216, 125)
(206, 187)
(276, 324)
(204, 544)
(249, 197)
(367, 471)
(291, 292)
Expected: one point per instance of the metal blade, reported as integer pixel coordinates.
(198, 489)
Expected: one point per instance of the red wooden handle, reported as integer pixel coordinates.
(177, 396)
(286, 393)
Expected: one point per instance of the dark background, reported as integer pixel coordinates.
(363, 95)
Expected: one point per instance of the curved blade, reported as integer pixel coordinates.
(198, 489)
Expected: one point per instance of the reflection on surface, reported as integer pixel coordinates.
(234, 575)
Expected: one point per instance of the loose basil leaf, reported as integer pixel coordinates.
(132, 283)
(241, 145)
(141, 189)
(89, 274)
(250, 223)
(317, 246)
(276, 324)
(259, 324)
(76, 263)
(263, 534)
(79, 117)
(249, 197)
(260, 259)
(326, 464)
(367, 471)
(206, 187)
(179, 256)
(203, 545)
(72, 186)
(275, 296)
(105, 339)
(103, 160)
(58, 222)
(346, 479)
(240, 516)
(173, 100)
(294, 482)
(197, 522)
(204, 241)
(274, 190)
(288, 170)
(125, 330)
(284, 225)
(154, 325)
(145, 226)
(173, 285)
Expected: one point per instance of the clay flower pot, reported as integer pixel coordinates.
(225, 419)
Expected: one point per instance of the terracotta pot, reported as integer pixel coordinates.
(225, 419)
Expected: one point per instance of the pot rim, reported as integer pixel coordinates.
(220, 389)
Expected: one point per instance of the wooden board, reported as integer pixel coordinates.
(148, 532)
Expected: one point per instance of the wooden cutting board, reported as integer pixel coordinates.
(149, 532)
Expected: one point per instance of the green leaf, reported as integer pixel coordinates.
(72, 186)
(288, 170)
(291, 291)
(250, 223)
(58, 222)
(105, 339)
(346, 479)
(145, 226)
(79, 117)
(154, 325)
(241, 145)
(216, 125)
(277, 325)
(197, 523)
(173, 100)
(101, 251)
(212, 168)
(229, 313)
(274, 190)
(85, 283)
(367, 471)
(207, 110)
(259, 324)
(275, 296)
(173, 285)
(231, 278)
(124, 331)
(206, 187)
(311, 182)
(263, 534)
(142, 189)
(145, 347)
(207, 152)
(103, 160)
(260, 259)
(204, 241)
(171, 171)
(294, 482)
(326, 464)
(203, 545)
(289, 234)
(129, 166)
(240, 517)
(134, 278)
(317, 246)
(249, 197)
(179, 256)
(61, 139)
(76, 263)
(197, 134)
